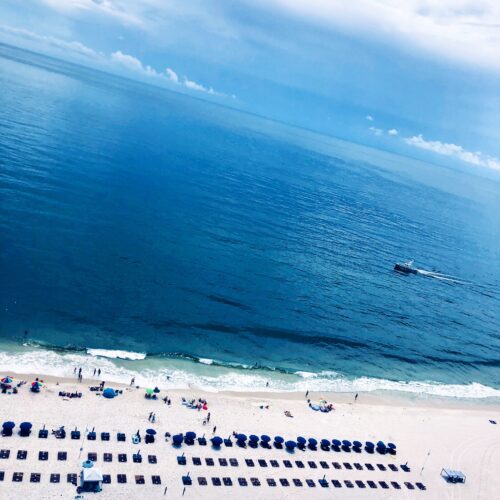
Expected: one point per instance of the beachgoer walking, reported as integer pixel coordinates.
(150, 415)
(356, 397)
(267, 384)
(215, 428)
(307, 393)
(99, 372)
(74, 369)
(208, 417)
(165, 492)
(94, 372)
(132, 381)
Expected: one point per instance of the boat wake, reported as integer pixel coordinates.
(441, 276)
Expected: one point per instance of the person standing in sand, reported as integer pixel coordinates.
(356, 397)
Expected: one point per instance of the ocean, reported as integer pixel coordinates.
(153, 234)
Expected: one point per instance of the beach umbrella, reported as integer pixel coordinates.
(265, 438)
(391, 446)
(357, 444)
(381, 444)
(109, 393)
(279, 440)
(216, 441)
(312, 442)
(156, 390)
(337, 443)
(8, 425)
(35, 386)
(149, 392)
(253, 438)
(7, 380)
(190, 436)
(26, 426)
(301, 440)
(88, 464)
(369, 444)
(290, 445)
(325, 443)
(151, 432)
(346, 443)
(177, 438)
(241, 437)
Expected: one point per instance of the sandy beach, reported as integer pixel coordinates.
(430, 434)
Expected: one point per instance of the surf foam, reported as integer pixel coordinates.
(116, 354)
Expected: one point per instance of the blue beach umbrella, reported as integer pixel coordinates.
(381, 444)
(325, 443)
(190, 436)
(369, 444)
(265, 438)
(216, 441)
(253, 438)
(8, 425)
(177, 439)
(241, 437)
(279, 440)
(301, 440)
(6, 380)
(337, 443)
(26, 426)
(108, 393)
(346, 443)
(88, 464)
(151, 432)
(357, 444)
(290, 445)
(312, 442)
(391, 446)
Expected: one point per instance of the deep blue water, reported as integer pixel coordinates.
(139, 219)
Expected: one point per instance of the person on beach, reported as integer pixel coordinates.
(74, 370)
(150, 416)
(208, 417)
(307, 393)
(356, 397)
(132, 381)
(215, 428)
(99, 372)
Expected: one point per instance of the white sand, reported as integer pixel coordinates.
(457, 435)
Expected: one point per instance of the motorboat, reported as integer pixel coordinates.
(406, 267)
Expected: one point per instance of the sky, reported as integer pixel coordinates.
(419, 77)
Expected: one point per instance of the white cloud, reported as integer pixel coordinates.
(369, 118)
(376, 131)
(464, 30)
(172, 75)
(194, 86)
(454, 150)
(127, 60)
(392, 131)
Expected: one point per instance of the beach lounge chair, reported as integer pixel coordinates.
(228, 443)
(336, 465)
(92, 456)
(55, 478)
(106, 479)
(312, 464)
(202, 481)
(62, 456)
(297, 482)
(139, 479)
(262, 462)
(196, 461)
(4, 454)
(372, 484)
(156, 479)
(227, 481)
(396, 485)
(122, 457)
(121, 437)
(17, 477)
(369, 467)
(299, 464)
(242, 481)
(310, 483)
(121, 478)
(452, 476)
(75, 434)
(216, 481)
(358, 466)
(222, 462)
(35, 477)
(91, 436)
(71, 478)
(405, 468)
(105, 436)
(360, 483)
(393, 467)
(323, 483)
(43, 455)
(284, 482)
(22, 454)
(409, 485)
(152, 459)
(383, 485)
(137, 458)
(202, 441)
(2, 475)
(421, 486)
(348, 483)
(347, 466)
(287, 464)
(336, 483)
(324, 465)
(210, 462)
(249, 462)
(43, 434)
(255, 481)
(187, 481)
(107, 457)
(233, 462)
(274, 463)
(381, 467)
(271, 482)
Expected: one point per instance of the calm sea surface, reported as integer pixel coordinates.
(137, 219)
